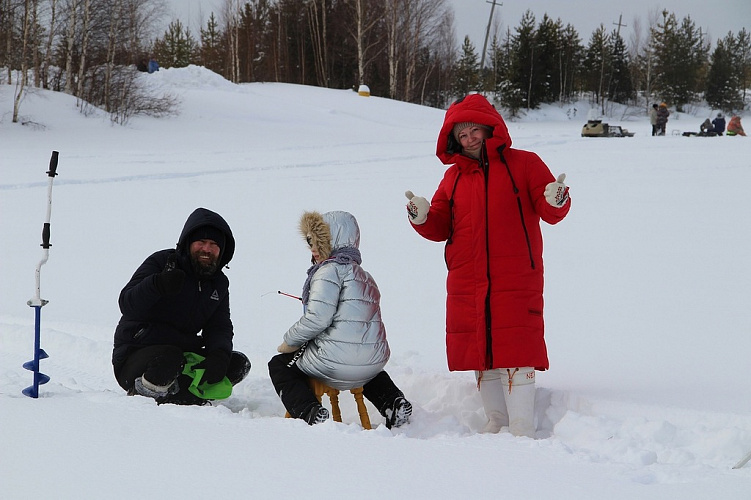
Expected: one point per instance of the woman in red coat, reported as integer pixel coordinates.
(488, 209)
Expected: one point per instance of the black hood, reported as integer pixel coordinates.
(204, 217)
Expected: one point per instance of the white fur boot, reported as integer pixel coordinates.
(520, 400)
(493, 401)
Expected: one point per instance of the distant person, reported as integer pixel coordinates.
(488, 209)
(718, 124)
(176, 319)
(662, 118)
(153, 65)
(653, 119)
(735, 127)
(142, 65)
(340, 338)
(706, 127)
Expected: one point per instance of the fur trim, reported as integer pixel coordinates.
(316, 233)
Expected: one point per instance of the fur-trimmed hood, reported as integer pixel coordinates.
(329, 231)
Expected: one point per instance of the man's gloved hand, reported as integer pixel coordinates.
(417, 208)
(286, 348)
(556, 193)
(170, 282)
(215, 366)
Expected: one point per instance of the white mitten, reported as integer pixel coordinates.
(556, 193)
(286, 348)
(417, 208)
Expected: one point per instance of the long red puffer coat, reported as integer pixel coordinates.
(488, 211)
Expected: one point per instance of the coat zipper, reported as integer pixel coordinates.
(485, 166)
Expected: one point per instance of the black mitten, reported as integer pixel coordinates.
(170, 280)
(215, 366)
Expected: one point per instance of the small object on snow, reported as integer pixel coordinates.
(595, 128)
(743, 461)
(364, 91)
(37, 302)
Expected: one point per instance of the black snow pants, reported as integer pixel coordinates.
(291, 384)
(160, 364)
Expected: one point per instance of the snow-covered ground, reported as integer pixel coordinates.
(647, 290)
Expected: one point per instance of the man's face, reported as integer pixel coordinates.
(204, 255)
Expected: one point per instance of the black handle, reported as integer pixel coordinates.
(46, 235)
(52, 172)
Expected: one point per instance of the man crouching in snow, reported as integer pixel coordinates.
(174, 340)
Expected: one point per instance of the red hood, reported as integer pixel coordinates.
(476, 109)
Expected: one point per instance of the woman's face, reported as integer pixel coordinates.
(471, 139)
(316, 257)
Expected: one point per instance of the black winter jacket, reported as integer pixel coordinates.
(197, 319)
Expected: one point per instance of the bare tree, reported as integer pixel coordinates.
(84, 45)
(317, 24)
(48, 45)
(422, 23)
(70, 39)
(21, 84)
(366, 15)
(230, 16)
(392, 10)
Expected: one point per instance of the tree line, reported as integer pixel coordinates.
(401, 49)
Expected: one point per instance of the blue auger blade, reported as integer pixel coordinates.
(31, 391)
(33, 365)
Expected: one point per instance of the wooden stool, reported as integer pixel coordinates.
(319, 389)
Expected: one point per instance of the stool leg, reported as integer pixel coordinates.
(318, 388)
(361, 408)
(336, 412)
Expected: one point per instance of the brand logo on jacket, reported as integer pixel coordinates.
(215, 295)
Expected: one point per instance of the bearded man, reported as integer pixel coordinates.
(174, 340)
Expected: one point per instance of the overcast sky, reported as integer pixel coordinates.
(716, 17)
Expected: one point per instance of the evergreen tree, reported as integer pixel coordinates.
(620, 88)
(545, 75)
(467, 71)
(498, 68)
(723, 85)
(681, 60)
(597, 64)
(742, 61)
(212, 52)
(570, 55)
(177, 48)
(517, 92)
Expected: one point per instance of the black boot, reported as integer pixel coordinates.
(388, 399)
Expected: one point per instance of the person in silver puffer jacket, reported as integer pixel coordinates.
(340, 338)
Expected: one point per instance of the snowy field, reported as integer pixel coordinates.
(647, 303)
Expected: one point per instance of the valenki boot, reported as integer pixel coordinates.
(520, 400)
(493, 401)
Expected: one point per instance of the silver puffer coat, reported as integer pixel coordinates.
(342, 324)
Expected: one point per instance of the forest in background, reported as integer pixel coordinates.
(400, 49)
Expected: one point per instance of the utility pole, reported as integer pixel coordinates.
(618, 31)
(610, 78)
(487, 32)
